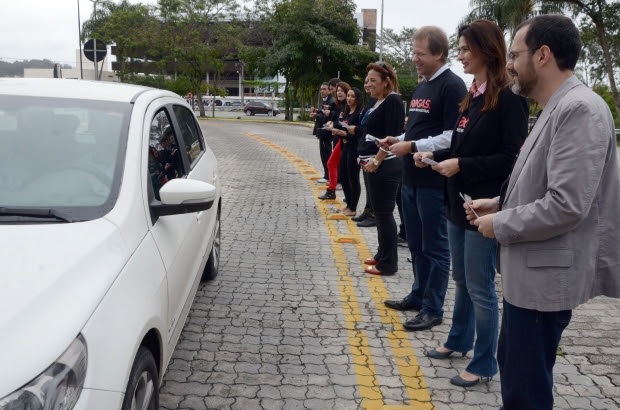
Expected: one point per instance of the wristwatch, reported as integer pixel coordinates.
(414, 147)
(374, 161)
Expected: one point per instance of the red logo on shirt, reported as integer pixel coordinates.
(420, 103)
(463, 123)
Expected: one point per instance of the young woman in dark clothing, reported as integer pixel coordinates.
(333, 162)
(348, 131)
(485, 142)
(384, 118)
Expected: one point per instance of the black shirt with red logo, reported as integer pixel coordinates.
(486, 144)
(434, 108)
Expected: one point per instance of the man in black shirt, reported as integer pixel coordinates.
(433, 112)
(321, 116)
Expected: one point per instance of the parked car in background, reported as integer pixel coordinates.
(109, 217)
(260, 107)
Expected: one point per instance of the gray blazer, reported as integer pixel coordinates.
(559, 227)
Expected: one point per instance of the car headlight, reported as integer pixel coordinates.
(58, 387)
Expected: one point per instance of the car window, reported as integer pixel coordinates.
(62, 154)
(189, 132)
(165, 161)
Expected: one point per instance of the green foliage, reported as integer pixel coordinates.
(311, 41)
(398, 51)
(407, 86)
(603, 91)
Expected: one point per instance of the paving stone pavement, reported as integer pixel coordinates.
(292, 322)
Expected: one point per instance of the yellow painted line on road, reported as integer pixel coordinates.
(402, 349)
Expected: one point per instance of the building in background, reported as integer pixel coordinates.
(87, 72)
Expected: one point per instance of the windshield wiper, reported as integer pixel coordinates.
(46, 213)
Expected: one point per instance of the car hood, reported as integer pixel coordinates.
(52, 278)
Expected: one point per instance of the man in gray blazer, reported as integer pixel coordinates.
(558, 219)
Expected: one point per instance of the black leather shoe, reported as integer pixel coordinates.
(360, 217)
(401, 305)
(370, 221)
(459, 381)
(329, 194)
(436, 354)
(422, 321)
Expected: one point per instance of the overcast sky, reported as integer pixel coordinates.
(38, 29)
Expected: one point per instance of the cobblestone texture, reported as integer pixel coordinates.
(270, 332)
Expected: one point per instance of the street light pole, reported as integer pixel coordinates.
(80, 40)
(241, 66)
(381, 38)
(95, 40)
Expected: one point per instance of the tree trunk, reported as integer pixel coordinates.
(600, 32)
(287, 101)
(201, 106)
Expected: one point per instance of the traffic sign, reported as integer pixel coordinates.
(89, 49)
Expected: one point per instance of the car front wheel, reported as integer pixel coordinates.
(143, 387)
(248, 112)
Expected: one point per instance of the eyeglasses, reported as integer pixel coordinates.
(513, 55)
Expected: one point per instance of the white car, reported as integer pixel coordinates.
(109, 218)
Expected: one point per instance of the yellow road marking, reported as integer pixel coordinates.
(402, 349)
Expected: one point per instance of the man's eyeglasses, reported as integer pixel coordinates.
(513, 55)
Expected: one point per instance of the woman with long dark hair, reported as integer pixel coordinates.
(485, 142)
(348, 132)
(383, 174)
(333, 162)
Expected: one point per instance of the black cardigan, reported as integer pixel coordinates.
(386, 120)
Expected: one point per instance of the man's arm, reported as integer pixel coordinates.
(434, 143)
(574, 165)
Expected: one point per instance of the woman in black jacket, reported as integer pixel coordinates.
(348, 131)
(384, 118)
(485, 143)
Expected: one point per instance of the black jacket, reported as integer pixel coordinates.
(486, 144)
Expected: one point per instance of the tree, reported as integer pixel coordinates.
(131, 27)
(194, 39)
(399, 50)
(509, 13)
(311, 41)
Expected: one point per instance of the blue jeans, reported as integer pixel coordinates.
(424, 211)
(475, 304)
(382, 186)
(528, 342)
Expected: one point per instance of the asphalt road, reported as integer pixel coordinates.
(292, 322)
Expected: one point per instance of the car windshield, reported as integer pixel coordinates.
(60, 157)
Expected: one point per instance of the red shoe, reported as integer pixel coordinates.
(374, 271)
(370, 261)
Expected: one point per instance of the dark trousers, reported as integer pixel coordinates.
(325, 149)
(528, 342)
(350, 176)
(383, 185)
(424, 210)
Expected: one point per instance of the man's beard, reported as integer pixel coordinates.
(521, 85)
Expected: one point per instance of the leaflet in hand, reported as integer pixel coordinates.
(429, 161)
(377, 142)
(467, 200)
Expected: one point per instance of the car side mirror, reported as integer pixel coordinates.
(182, 196)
